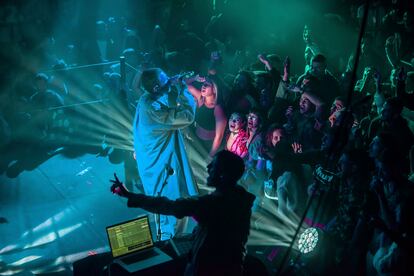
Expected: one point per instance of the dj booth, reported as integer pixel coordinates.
(102, 264)
(176, 248)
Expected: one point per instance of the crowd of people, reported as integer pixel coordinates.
(309, 136)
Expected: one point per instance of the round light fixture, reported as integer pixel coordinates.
(308, 240)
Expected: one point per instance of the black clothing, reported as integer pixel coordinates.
(223, 226)
(325, 88)
(204, 118)
(399, 130)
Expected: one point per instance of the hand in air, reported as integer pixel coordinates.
(118, 187)
(286, 69)
(289, 112)
(263, 59)
(199, 78)
(297, 148)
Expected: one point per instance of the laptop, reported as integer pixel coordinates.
(132, 246)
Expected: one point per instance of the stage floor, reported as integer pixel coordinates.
(57, 213)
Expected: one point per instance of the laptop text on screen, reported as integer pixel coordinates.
(132, 246)
(130, 237)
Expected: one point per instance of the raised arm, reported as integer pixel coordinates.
(221, 124)
(316, 101)
(391, 49)
(379, 98)
(193, 206)
(192, 89)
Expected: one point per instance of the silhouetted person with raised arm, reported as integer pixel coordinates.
(223, 217)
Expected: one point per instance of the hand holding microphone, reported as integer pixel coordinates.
(176, 79)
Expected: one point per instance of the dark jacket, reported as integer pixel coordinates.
(223, 227)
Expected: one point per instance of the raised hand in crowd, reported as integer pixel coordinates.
(297, 148)
(286, 69)
(263, 59)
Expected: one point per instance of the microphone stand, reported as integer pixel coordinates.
(158, 216)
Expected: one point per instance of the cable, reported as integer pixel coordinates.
(81, 66)
(132, 67)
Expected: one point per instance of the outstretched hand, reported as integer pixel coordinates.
(118, 187)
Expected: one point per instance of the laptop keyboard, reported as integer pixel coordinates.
(139, 257)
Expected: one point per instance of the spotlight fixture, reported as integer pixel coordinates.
(308, 240)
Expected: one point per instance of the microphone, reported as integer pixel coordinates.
(176, 79)
(169, 170)
(179, 77)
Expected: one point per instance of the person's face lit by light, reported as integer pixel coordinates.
(236, 123)
(253, 121)
(317, 69)
(277, 136)
(207, 89)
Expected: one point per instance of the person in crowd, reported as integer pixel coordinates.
(162, 111)
(290, 180)
(394, 218)
(274, 134)
(210, 118)
(337, 106)
(97, 47)
(255, 141)
(255, 163)
(354, 171)
(392, 121)
(236, 140)
(264, 85)
(325, 86)
(44, 107)
(322, 188)
(59, 80)
(243, 95)
(223, 217)
(303, 125)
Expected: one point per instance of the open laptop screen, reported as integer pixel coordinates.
(130, 236)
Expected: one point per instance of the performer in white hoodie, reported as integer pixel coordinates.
(163, 110)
